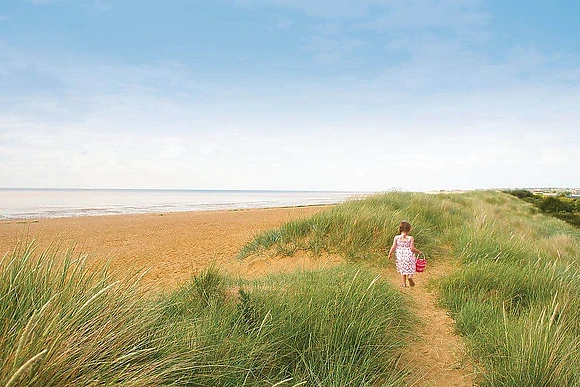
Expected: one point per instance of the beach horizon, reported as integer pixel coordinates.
(20, 203)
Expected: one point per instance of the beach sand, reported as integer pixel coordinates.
(172, 246)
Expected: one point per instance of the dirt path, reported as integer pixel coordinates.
(436, 356)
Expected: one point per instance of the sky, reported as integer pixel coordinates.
(367, 95)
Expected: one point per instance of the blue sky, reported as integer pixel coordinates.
(289, 94)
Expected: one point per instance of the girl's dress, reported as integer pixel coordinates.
(405, 258)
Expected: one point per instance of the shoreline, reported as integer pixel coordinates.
(60, 203)
(160, 213)
(173, 246)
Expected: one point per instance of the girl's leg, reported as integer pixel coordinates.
(403, 280)
(411, 281)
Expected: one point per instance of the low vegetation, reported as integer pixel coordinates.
(562, 207)
(515, 298)
(65, 324)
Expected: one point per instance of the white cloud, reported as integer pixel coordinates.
(388, 14)
(323, 9)
(340, 27)
(102, 5)
(426, 15)
(406, 159)
(3, 18)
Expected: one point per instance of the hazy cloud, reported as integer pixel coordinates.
(329, 49)
(39, 2)
(460, 16)
(103, 5)
(387, 14)
(284, 23)
(340, 27)
(112, 158)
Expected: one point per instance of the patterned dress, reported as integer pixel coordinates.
(405, 258)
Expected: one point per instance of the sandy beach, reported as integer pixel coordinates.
(172, 246)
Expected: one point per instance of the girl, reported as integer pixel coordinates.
(404, 248)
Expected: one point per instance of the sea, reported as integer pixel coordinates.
(17, 203)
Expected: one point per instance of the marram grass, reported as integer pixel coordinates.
(67, 324)
(334, 327)
(515, 299)
(363, 230)
(518, 268)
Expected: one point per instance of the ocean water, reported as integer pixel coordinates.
(57, 203)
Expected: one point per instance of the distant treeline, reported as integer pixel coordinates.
(561, 206)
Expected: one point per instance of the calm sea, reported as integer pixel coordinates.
(57, 203)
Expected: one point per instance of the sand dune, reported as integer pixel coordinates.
(173, 246)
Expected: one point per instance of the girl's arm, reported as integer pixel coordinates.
(393, 248)
(413, 249)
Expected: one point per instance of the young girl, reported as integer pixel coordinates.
(404, 248)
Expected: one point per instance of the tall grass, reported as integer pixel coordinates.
(334, 327)
(363, 230)
(517, 297)
(64, 323)
(517, 300)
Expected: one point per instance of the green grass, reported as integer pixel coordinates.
(516, 298)
(363, 230)
(335, 327)
(64, 323)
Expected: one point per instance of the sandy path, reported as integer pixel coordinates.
(436, 356)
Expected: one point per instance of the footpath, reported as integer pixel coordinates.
(436, 356)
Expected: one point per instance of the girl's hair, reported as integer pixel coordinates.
(404, 227)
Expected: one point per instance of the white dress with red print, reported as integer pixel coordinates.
(405, 258)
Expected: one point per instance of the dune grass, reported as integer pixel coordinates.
(516, 298)
(67, 324)
(335, 327)
(64, 324)
(363, 230)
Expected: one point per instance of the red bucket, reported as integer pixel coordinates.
(420, 264)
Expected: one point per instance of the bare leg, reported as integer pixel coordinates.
(411, 281)
(403, 280)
